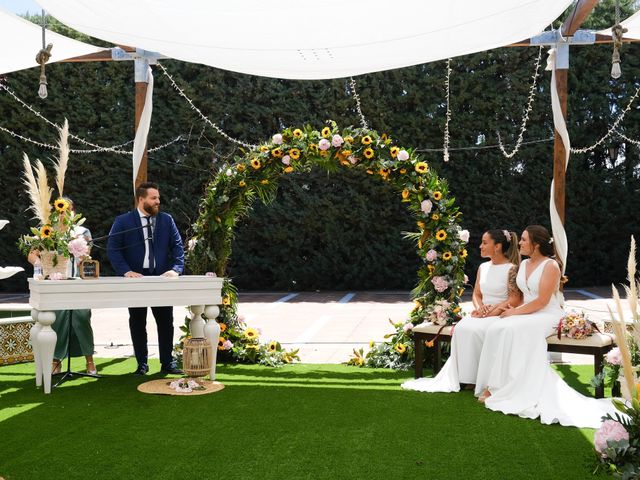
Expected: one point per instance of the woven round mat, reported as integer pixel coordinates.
(161, 387)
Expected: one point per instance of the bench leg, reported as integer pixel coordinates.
(437, 357)
(418, 348)
(597, 367)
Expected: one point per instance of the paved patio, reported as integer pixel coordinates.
(325, 326)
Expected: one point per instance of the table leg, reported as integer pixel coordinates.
(46, 344)
(212, 332)
(33, 334)
(196, 326)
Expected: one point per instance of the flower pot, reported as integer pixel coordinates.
(53, 262)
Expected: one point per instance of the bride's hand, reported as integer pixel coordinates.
(485, 309)
(508, 311)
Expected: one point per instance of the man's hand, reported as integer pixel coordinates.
(131, 274)
(170, 273)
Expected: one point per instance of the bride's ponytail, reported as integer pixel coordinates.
(513, 252)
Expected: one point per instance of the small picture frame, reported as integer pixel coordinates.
(89, 269)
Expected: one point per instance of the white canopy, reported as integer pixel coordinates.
(632, 24)
(21, 40)
(307, 39)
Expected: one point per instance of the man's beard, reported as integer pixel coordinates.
(150, 209)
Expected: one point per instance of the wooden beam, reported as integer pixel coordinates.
(101, 56)
(575, 19)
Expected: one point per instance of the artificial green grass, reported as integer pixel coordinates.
(300, 421)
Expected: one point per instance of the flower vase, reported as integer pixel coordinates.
(53, 262)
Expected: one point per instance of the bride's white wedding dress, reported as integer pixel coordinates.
(468, 336)
(515, 369)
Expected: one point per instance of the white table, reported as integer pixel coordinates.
(201, 293)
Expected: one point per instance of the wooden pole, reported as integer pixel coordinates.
(141, 93)
(559, 150)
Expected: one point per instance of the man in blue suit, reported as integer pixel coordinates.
(145, 242)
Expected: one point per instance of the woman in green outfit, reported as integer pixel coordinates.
(73, 327)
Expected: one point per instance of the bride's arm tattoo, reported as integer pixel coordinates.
(512, 284)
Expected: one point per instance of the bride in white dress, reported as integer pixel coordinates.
(514, 375)
(495, 288)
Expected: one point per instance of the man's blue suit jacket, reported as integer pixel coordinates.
(125, 247)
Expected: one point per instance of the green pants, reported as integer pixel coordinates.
(73, 328)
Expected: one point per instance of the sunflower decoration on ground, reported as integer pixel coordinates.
(253, 174)
(239, 343)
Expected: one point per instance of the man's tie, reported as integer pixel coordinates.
(152, 260)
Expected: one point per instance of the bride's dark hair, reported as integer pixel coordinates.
(509, 242)
(538, 235)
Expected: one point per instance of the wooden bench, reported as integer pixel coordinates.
(15, 325)
(597, 345)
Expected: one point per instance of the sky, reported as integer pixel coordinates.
(20, 6)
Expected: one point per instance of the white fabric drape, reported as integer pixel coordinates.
(20, 41)
(559, 233)
(140, 142)
(632, 24)
(308, 39)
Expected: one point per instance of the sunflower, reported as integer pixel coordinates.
(287, 359)
(61, 205)
(313, 147)
(240, 167)
(223, 327)
(463, 253)
(255, 163)
(403, 171)
(441, 235)
(297, 133)
(277, 152)
(421, 225)
(221, 341)
(294, 153)
(405, 193)
(431, 268)
(264, 149)
(384, 172)
(46, 231)
(371, 344)
(394, 152)
(435, 217)
(345, 162)
(273, 346)
(400, 348)
(288, 169)
(242, 183)
(346, 153)
(264, 182)
(456, 310)
(437, 195)
(366, 140)
(429, 343)
(422, 167)
(324, 153)
(446, 256)
(348, 139)
(326, 131)
(250, 334)
(226, 300)
(384, 137)
(368, 153)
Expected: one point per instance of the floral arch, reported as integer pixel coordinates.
(440, 241)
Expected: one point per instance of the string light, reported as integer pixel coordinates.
(483, 147)
(630, 140)
(93, 150)
(199, 112)
(445, 149)
(525, 117)
(354, 92)
(613, 128)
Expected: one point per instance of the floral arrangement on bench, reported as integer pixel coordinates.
(576, 325)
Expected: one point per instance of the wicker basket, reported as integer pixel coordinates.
(53, 262)
(197, 357)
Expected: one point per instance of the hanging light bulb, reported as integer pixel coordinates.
(42, 91)
(616, 71)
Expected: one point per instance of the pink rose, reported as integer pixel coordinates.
(353, 160)
(609, 431)
(56, 276)
(277, 139)
(227, 345)
(407, 327)
(286, 159)
(426, 206)
(337, 141)
(464, 235)
(403, 155)
(78, 247)
(432, 255)
(324, 144)
(440, 284)
(614, 357)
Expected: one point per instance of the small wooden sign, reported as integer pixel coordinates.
(89, 269)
